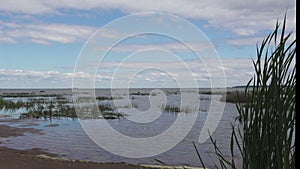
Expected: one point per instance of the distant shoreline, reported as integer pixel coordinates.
(98, 88)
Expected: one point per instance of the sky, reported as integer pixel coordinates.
(48, 44)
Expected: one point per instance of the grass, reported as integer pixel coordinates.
(112, 115)
(106, 107)
(101, 98)
(140, 94)
(169, 108)
(175, 109)
(236, 97)
(264, 131)
(105, 111)
(48, 110)
(268, 120)
(55, 108)
(9, 105)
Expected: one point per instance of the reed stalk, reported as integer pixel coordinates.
(264, 131)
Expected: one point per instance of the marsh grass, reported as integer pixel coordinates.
(57, 107)
(112, 115)
(10, 105)
(264, 131)
(101, 98)
(175, 109)
(140, 94)
(48, 110)
(105, 107)
(236, 97)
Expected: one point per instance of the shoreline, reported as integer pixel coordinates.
(37, 158)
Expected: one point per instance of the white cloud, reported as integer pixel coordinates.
(6, 39)
(173, 47)
(237, 72)
(43, 33)
(245, 41)
(241, 17)
(26, 6)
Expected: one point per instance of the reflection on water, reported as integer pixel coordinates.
(66, 137)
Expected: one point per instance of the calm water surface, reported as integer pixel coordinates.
(68, 139)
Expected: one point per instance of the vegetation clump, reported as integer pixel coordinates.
(236, 97)
(175, 109)
(56, 108)
(11, 105)
(140, 94)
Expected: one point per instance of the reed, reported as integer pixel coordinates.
(176, 109)
(100, 98)
(105, 107)
(9, 105)
(48, 110)
(264, 131)
(173, 109)
(60, 106)
(268, 119)
(140, 94)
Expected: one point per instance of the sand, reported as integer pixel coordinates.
(37, 159)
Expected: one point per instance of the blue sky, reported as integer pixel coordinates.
(40, 40)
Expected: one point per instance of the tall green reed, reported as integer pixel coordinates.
(264, 131)
(268, 119)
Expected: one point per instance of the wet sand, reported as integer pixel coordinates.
(38, 159)
(8, 131)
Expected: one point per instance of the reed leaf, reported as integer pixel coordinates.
(267, 137)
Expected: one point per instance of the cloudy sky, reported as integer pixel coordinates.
(41, 40)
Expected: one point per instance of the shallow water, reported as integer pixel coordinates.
(66, 137)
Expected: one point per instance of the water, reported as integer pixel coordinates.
(68, 139)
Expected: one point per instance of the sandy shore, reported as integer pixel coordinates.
(38, 159)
